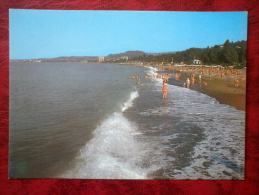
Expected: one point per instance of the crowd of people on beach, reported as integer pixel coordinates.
(195, 75)
(219, 72)
(209, 72)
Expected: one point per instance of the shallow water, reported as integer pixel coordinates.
(71, 121)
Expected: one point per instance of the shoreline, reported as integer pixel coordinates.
(223, 89)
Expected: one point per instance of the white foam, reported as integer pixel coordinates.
(113, 153)
(224, 131)
(151, 71)
(129, 103)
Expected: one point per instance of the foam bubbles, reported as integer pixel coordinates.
(113, 153)
(220, 153)
(129, 103)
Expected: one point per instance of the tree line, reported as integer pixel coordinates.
(230, 53)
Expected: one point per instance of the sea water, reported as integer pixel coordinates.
(92, 121)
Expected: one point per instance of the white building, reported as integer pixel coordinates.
(198, 62)
(124, 57)
(100, 58)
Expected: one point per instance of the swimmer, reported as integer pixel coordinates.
(165, 91)
(115, 83)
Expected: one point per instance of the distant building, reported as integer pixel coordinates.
(124, 57)
(196, 62)
(100, 58)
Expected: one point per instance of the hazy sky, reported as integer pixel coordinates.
(49, 33)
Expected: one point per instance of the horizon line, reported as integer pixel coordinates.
(124, 52)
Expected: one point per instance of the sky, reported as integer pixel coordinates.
(54, 33)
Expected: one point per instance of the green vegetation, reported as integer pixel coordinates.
(227, 54)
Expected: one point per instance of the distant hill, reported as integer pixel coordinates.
(76, 58)
(70, 59)
(130, 54)
(134, 54)
(157, 54)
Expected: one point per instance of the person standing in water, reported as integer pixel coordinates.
(165, 91)
(138, 80)
(200, 78)
(188, 83)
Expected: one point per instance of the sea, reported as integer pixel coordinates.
(93, 121)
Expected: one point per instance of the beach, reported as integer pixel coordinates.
(221, 88)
